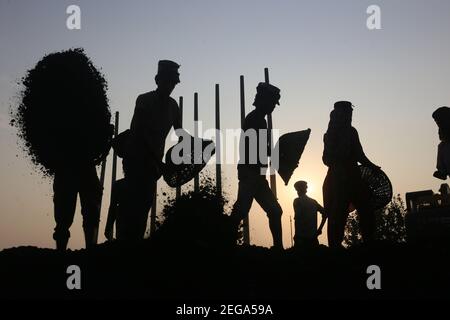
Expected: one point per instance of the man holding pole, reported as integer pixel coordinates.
(154, 115)
(252, 165)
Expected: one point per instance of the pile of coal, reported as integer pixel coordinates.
(63, 117)
(198, 219)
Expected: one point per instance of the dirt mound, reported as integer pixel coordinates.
(158, 271)
(198, 218)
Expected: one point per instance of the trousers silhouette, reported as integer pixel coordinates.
(67, 184)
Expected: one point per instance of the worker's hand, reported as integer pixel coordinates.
(319, 232)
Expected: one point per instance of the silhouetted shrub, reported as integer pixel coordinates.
(390, 224)
(197, 218)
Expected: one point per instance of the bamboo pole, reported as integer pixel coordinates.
(196, 178)
(178, 190)
(292, 238)
(114, 162)
(154, 209)
(102, 173)
(218, 146)
(246, 222)
(102, 182)
(273, 177)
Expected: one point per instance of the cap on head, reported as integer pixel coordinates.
(343, 106)
(169, 70)
(300, 185)
(442, 114)
(268, 91)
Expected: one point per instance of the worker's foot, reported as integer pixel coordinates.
(277, 248)
(61, 245)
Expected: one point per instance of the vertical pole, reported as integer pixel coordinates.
(273, 177)
(114, 160)
(246, 222)
(102, 173)
(102, 179)
(292, 239)
(153, 211)
(218, 147)
(196, 178)
(178, 190)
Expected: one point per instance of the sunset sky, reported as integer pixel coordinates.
(318, 52)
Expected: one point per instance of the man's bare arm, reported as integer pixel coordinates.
(324, 218)
(362, 158)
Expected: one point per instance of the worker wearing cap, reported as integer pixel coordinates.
(252, 165)
(305, 209)
(154, 116)
(442, 118)
(343, 184)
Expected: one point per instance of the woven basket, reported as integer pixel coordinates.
(178, 174)
(379, 185)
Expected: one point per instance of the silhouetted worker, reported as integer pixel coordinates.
(67, 184)
(75, 177)
(343, 184)
(306, 209)
(444, 190)
(442, 118)
(444, 194)
(154, 115)
(252, 167)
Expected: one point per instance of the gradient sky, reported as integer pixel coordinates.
(318, 52)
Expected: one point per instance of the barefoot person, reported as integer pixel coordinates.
(253, 164)
(343, 184)
(156, 112)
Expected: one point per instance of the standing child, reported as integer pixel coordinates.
(306, 209)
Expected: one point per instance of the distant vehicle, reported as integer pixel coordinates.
(428, 215)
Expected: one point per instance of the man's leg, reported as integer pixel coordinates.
(336, 203)
(90, 198)
(243, 202)
(337, 219)
(65, 201)
(144, 204)
(269, 203)
(133, 212)
(137, 200)
(360, 198)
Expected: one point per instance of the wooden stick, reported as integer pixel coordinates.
(114, 160)
(196, 178)
(103, 172)
(218, 146)
(273, 177)
(246, 222)
(153, 211)
(292, 238)
(178, 190)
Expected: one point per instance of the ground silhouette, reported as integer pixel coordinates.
(192, 257)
